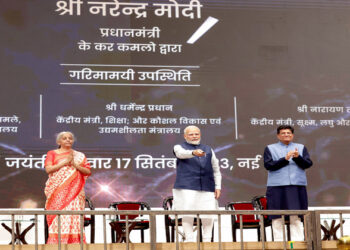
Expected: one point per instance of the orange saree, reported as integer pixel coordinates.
(64, 190)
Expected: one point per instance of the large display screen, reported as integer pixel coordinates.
(126, 77)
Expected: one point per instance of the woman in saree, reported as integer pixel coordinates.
(68, 170)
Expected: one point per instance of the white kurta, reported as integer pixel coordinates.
(185, 199)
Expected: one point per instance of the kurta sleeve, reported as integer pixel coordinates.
(272, 165)
(216, 170)
(182, 153)
(304, 161)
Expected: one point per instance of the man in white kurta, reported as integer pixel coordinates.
(198, 182)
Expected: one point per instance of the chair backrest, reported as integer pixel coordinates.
(263, 202)
(242, 205)
(89, 203)
(129, 205)
(260, 202)
(168, 203)
(89, 219)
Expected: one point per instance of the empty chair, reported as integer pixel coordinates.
(248, 221)
(135, 221)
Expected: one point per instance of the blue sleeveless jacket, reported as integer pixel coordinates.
(195, 173)
(282, 172)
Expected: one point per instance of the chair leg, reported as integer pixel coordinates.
(167, 233)
(172, 234)
(212, 235)
(112, 235)
(273, 239)
(199, 230)
(142, 236)
(46, 229)
(288, 232)
(234, 236)
(259, 234)
(92, 232)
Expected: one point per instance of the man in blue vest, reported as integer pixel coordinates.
(286, 162)
(198, 181)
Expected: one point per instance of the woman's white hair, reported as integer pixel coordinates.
(60, 134)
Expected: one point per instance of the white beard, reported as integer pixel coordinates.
(193, 142)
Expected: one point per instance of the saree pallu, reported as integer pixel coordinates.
(64, 190)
